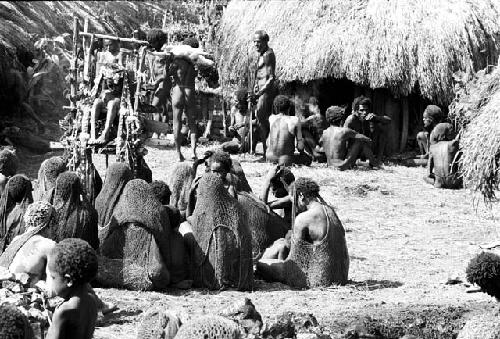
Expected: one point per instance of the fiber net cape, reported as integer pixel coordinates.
(321, 264)
(16, 198)
(117, 176)
(265, 225)
(75, 217)
(221, 255)
(135, 243)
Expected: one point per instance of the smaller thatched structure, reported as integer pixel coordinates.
(476, 110)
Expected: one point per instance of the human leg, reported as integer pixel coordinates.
(177, 105)
(94, 116)
(191, 119)
(112, 110)
(423, 143)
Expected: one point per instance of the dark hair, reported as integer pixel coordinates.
(13, 323)
(281, 104)
(156, 36)
(76, 258)
(484, 270)
(223, 158)
(308, 187)
(262, 34)
(361, 100)
(334, 114)
(8, 163)
(193, 42)
(161, 191)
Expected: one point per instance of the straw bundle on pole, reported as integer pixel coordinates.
(480, 144)
(394, 44)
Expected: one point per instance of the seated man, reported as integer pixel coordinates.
(342, 145)
(369, 124)
(110, 84)
(284, 130)
(442, 166)
(318, 254)
(238, 128)
(312, 130)
(431, 117)
(276, 179)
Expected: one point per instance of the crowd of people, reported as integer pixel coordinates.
(207, 231)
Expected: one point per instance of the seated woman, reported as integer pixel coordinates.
(16, 197)
(75, 217)
(218, 238)
(442, 166)
(318, 254)
(8, 167)
(180, 183)
(135, 244)
(47, 175)
(117, 176)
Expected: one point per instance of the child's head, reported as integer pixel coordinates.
(14, 324)
(70, 264)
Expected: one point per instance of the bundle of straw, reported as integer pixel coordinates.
(480, 144)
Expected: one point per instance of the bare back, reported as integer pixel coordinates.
(311, 225)
(335, 141)
(32, 258)
(281, 140)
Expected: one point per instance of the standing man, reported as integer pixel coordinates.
(264, 88)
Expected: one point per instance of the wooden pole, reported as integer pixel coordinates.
(404, 124)
(74, 70)
(113, 37)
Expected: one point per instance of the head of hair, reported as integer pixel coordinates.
(484, 270)
(19, 187)
(193, 42)
(361, 100)
(242, 97)
(283, 174)
(262, 35)
(222, 158)
(313, 101)
(307, 187)
(67, 184)
(38, 214)
(51, 168)
(334, 114)
(281, 104)
(161, 191)
(13, 323)
(8, 163)
(434, 112)
(156, 37)
(76, 258)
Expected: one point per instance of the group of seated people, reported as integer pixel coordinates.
(330, 137)
(206, 232)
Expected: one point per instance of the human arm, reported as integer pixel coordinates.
(382, 119)
(269, 61)
(60, 327)
(280, 203)
(271, 173)
(298, 136)
(430, 165)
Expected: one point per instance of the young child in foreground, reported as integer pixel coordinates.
(71, 265)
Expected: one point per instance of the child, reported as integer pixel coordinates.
(238, 128)
(14, 324)
(71, 265)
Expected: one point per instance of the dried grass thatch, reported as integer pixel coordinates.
(395, 44)
(480, 141)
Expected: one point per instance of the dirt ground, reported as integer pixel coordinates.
(406, 240)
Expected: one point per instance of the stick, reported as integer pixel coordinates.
(112, 37)
(74, 72)
(250, 109)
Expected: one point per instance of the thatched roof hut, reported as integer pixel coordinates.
(477, 109)
(408, 47)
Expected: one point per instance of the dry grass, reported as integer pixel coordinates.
(376, 43)
(405, 239)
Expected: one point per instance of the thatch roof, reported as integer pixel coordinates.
(22, 21)
(397, 44)
(476, 108)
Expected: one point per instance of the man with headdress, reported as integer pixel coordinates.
(27, 253)
(135, 244)
(218, 219)
(342, 145)
(318, 254)
(117, 176)
(8, 167)
(442, 166)
(109, 83)
(265, 88)
(47, 176)
(16, 197)
(75, 217)
(284, 130)
(431, 117)
(363, 121)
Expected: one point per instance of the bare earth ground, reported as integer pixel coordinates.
(405, 239)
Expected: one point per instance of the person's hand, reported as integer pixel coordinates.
(370, 116)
